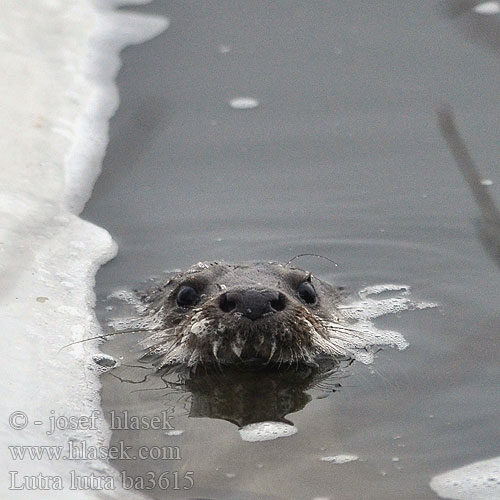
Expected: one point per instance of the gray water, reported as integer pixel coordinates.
(342, 157)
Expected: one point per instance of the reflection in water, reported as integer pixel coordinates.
(247, 397)
(242, 397)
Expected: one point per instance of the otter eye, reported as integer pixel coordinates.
(307, 292)
(187, 296)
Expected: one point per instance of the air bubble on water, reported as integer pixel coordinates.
(266, 431)
(243, 103)
(487, 8)
(486, 182)
(174, 432)
(224, 49)
(340, 459)
(125, 296)
(105, 361)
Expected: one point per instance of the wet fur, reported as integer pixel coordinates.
(205, 335)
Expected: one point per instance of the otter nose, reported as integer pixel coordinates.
(252, 303)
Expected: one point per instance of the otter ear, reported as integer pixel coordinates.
(309, 278)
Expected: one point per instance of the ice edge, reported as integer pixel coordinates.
(48, 255)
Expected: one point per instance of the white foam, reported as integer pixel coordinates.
(369, 307)
(176, 432)
(476, 481)
(56, 97)
(487, 8)
(266, 431)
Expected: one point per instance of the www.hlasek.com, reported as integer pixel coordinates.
(80, 450)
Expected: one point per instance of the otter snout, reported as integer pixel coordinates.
(253, 304)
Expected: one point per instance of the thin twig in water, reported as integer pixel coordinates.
(104, 335)
(466, 164)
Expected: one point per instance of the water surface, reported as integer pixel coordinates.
(342, 157)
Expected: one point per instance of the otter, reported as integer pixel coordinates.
(248, 314)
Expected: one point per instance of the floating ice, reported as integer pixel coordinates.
(477, 481)
(266, 431)
(340, 459)
(243, 103)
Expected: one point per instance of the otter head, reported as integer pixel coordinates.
(254, 313)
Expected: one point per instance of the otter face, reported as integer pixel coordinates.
(253, 313)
